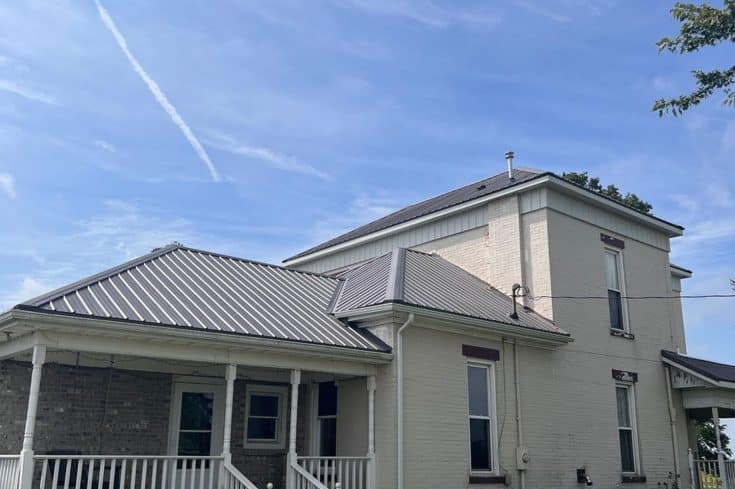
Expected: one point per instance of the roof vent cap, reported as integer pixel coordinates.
(509, 159)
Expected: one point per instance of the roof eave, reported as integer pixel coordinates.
(31, 318)
(710, 380)
(465, 323)
(670, 229)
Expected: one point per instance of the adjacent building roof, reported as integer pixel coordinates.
(183, 287)
(463, 194)
(429, 281)
(718, 372)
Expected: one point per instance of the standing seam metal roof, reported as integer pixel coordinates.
(184, 287)
(425, 280)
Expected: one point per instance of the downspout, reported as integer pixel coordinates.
(519, 419)
(672, 420)
(399, 387)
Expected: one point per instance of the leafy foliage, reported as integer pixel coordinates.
(707, 441)
(701, 26)
(593, 183)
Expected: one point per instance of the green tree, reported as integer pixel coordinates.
(701, 26)
(593, 183)
(707, 441)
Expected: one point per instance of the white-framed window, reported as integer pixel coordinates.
(615, 284)
(627, 427)
(482, 417)
(327, 419)
(265, 414)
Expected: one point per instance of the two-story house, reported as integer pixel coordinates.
(520, 331)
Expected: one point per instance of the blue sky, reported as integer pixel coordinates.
(259, 128)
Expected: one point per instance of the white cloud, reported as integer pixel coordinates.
(7, 184)
(158, 93)
(425, 12)
(27, 92)
(276, 160)
(535, 8)
(28, 288)
(104, 145)
(728, 137)
(363, 209)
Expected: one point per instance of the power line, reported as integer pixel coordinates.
(633, 297)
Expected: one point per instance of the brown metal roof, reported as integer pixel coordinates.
(429, 281)
(184, 287)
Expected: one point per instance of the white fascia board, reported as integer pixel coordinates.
(110, 328)
(560, 183)
(679, 272)
(462, 324)
(714, 383)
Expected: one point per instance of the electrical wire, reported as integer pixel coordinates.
(633, 297)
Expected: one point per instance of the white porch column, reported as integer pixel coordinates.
(295, 381)
(371, 432)
(720, 456)
(230, 376)
(26, 454)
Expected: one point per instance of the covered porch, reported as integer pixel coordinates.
(127, 408)
(708, 393)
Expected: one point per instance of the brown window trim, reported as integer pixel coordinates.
(621, 334)
(487, 479)
(633, 479)
(612, 241)
(625, 376)
(480, 352)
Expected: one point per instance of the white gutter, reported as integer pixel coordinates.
(399, 382)
(51, 321)
(672, 421)
(519, 419)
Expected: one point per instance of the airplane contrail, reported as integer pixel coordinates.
(158, 93)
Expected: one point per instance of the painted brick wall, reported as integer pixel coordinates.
(86, 409)
(94, 411)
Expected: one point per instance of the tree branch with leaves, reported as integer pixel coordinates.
(701, 26)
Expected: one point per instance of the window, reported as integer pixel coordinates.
(614, 289)
(327, 419)
(480, 389)
(195, 423)
(627, 431)
(264, 426)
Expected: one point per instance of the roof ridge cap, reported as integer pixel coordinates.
(396, 275)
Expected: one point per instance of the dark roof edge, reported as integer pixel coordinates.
(675, 357)
(320, 247)
(38, 310)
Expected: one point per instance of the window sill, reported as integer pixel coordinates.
(622, 334)
(633, 479)
(487, 479)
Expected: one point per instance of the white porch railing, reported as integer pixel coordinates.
(303, 479)
(9, 471)
(348, 472)
(127, 472)
(707, 474)
(234, 479)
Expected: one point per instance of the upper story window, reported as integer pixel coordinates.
(614, 282)
(627, 428)
(265, 408)
(327, 419)
(481, 397)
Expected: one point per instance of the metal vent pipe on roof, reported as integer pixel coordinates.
(509, 159)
